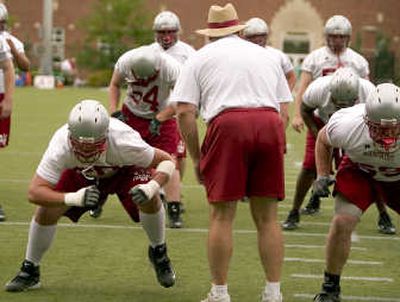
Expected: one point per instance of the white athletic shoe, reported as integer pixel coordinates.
(211, 298)
(265, 297)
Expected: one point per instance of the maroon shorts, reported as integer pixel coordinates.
(359, 187)
(168, 138)
(242, 155)
(4, 128)
(120, 183)
(309, 152)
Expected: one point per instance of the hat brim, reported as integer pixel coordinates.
(220, 32)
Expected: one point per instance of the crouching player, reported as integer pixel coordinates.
(87, 159)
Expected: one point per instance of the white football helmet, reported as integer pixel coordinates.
(338, 25)
(382, 115)
(344, 87)
(3, 12)
(337, 33)
(144, 62)
(255, 26)
(166, 20)
(88, 127)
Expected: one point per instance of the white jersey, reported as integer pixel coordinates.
(282, 59)
(146, 99)
(180, 51)
(231, 73)
(318, 96)
(323, 61)
(125, 147)
(347, 130)
(5, 52)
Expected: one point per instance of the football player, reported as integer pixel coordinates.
(257, 31)
(150, 75)
(369, 171)
(87, 159)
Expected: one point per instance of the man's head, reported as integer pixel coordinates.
(166, 27)
(256, 31)
(221, 22)
(337, 33)
(3, 17)
(144, 63)
(88, 127)
(344, 87)
(382, 116)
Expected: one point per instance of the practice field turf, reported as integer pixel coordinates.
(105, 259)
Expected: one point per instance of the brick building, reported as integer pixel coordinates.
(296, 25)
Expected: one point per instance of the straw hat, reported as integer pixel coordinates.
(222, 21)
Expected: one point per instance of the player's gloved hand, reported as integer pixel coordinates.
(142, 193)
(321, 186)
(154, 127)
(87, 197)
(118, 115)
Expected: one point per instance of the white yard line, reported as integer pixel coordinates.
(351, 298)
(308, 246)
(354, 262)
(353, 278)
(194, 230)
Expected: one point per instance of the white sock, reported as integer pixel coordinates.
(39, 241)
(154, 226)
(273, 288)
(219, 290)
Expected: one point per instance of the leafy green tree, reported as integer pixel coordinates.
(113, 27)
(384, 60)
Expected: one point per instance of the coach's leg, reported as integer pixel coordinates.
(220, 246)
(270, 242)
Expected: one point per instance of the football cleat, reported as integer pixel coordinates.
(27, 278)
(385, 225)
(312, 207)
(2, 214)
(212, 298)
(292, 221)
(162, 265)
(174, 215)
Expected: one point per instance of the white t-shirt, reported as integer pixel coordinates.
(323, 61)
(347, 130)
(231, 73)
(125, 147)
(180, 51)
(282, 58)
(5, 52)
(317, 96)
(146, 100)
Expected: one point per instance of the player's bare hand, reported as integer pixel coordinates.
(298, 123)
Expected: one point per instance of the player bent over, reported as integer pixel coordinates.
(87, 159)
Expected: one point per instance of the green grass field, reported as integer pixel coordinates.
(106, 259)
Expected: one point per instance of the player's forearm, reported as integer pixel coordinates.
(114, 96)
(323, 154)
(291, 79)
(42, 193)
(188, 126)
